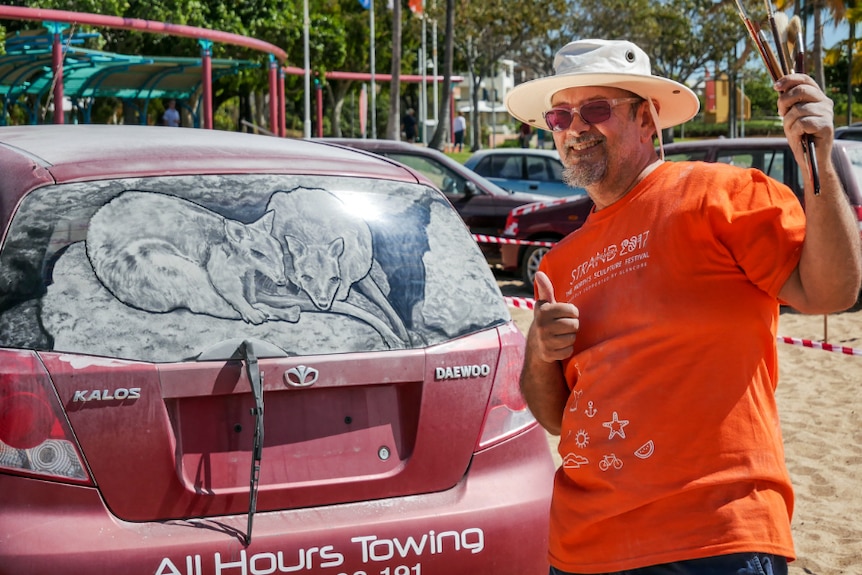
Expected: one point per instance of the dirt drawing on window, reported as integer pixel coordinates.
(159, 253)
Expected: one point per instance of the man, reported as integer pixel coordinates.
(525, 133)
(408, 126)
(652, 351)
(171, 117)
(459, 129)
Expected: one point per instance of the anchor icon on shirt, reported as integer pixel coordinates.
(591, 411)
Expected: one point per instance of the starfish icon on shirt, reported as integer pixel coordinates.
(616, 426)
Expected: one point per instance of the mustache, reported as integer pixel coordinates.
(575, 141)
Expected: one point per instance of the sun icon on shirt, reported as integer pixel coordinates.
(582, 438)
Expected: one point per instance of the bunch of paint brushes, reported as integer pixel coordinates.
(789, 41)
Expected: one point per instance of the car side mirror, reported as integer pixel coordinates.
(470, 189)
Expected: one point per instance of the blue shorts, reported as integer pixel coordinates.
(735, 564)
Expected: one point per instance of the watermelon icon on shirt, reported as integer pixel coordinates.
(645, 450)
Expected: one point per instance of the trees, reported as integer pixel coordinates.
(492, 29)
(682, 37)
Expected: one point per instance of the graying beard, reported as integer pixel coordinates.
(581, 177)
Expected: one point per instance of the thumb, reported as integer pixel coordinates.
(544, 287)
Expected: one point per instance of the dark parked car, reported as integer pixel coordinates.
(771, 155)
(483, 205)
(228, 353)
(851, 132)
(523, 170)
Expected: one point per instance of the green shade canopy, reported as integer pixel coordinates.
(26, 69)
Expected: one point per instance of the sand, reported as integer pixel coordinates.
(820, 402)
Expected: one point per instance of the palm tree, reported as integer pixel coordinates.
(448, 55)
(837, 10)
(393, 126)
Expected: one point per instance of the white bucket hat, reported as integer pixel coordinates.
(614, 63)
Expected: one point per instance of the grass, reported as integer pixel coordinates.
(460, 157)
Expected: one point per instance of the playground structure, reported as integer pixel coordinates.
(80, 74)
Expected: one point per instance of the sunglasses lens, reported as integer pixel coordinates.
(558, 119)
(596, 112)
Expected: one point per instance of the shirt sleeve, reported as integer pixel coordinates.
(761, 222)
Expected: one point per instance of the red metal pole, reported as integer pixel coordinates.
(319, 111)
(207, 82)
(121, 23)
(57, 68)
(273, 95)
(282, 125)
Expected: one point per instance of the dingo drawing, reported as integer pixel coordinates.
(328, 251)
(159, 253)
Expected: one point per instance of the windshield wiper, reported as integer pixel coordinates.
(246, 350)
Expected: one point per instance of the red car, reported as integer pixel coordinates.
(543, 224)
(225, 353)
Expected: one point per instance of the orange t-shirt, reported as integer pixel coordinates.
(670, 442)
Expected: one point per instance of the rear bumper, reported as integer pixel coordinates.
(494, 521)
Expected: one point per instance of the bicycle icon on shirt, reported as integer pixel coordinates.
(609, 461)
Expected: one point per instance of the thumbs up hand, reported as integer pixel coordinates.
(555, 325)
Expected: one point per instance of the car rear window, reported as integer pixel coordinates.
(168, 269)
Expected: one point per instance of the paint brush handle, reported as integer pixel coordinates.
(772, 65)
(776, 36)
(807, 140)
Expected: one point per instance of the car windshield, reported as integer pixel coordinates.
(166, 269)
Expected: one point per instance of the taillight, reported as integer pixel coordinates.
(859, 217)
(507, 413)
(511, 228)
(35, 437)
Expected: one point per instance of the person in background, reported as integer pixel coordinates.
(408, 126)
(525, 132)
(460, 126)
(652, 350)
(171, 117)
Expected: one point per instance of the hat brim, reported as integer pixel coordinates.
(677, 104)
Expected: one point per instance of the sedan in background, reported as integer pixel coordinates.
(544, 224)
(482, 204)
(229, 353)
(523, 170)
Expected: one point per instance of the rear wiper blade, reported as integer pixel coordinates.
(246, 350)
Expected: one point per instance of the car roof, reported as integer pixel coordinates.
(522, 151)
(37, 155)
(399, 147)
(75, 152)
(720, 143)
(377, 144)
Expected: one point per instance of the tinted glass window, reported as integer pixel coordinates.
(451, 183)
(485, 167)
(508, 167)
(537, 169)
(556, 169)
(769, 161)
(697, 156)
(851, 134)
(164, 269)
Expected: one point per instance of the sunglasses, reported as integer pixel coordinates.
(595, 112)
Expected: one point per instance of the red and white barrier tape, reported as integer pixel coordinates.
(529, 303)
(483, 239)
(520, 302)
(527, 208)
(820, 345)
